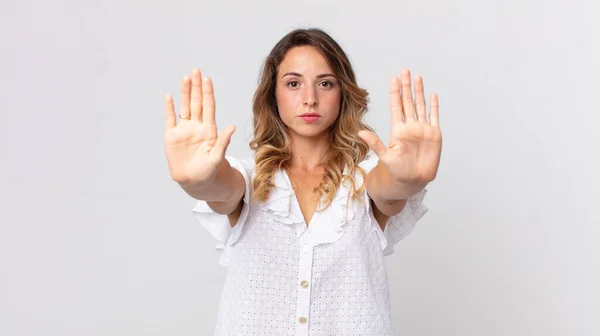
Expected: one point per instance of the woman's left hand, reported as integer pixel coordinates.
(413, 155)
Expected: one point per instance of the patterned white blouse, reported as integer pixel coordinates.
(287, 278)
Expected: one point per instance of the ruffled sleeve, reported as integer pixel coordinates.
(399, 225)
(218, 224)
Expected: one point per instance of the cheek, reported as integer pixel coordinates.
(333, 101)
(289, 98)
(288, 104)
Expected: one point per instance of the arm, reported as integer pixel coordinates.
(388, 194)
(412, 159)
(381, 189)
(389, 197)
(196, 152)
(224, 193)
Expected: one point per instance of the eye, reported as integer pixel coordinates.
(295, 84)
(327, 83)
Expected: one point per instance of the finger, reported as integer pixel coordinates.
(184, 108)
(373, 141)
(208, 101)
(223, 141)
(170, 118)
(196, 96)
(420, 99)
(395, 101)
(434, 115)
(407, 96)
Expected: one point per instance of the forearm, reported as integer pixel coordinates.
(388, 194)
(224, 193)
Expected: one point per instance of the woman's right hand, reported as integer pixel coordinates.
(194, 151)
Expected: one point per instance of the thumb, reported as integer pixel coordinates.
(373, 141)
(223, 141)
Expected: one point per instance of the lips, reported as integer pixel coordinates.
(310, 117)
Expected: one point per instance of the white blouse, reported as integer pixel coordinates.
(285, 278)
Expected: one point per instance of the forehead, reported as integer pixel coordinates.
(306, 60)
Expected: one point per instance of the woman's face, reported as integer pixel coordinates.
(307, 93)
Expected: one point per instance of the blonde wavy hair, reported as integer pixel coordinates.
(271, 141)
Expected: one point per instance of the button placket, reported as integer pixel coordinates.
(304, 284)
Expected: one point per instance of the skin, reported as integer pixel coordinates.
(406, 166)
(195, 152)
(305, 83)
(411, 160)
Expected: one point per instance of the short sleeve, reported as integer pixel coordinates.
(399, 225)
(218, 224)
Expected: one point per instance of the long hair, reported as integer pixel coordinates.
(271, 141)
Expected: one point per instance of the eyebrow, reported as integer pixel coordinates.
(299, 75)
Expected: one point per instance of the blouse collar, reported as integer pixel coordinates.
(326, 226)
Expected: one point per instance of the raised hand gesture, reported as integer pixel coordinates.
(413, 155)
(193, 148)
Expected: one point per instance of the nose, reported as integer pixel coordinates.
(310, 97)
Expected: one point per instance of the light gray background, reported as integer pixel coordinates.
(95, 239)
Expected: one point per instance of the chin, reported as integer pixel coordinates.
(311, 131)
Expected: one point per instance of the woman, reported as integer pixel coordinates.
(305, 225)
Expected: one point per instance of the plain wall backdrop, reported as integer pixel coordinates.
(96, 239)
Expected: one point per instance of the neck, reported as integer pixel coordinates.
(308, 153)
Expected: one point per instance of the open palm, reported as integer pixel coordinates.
(194, 149)
(415, 142)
